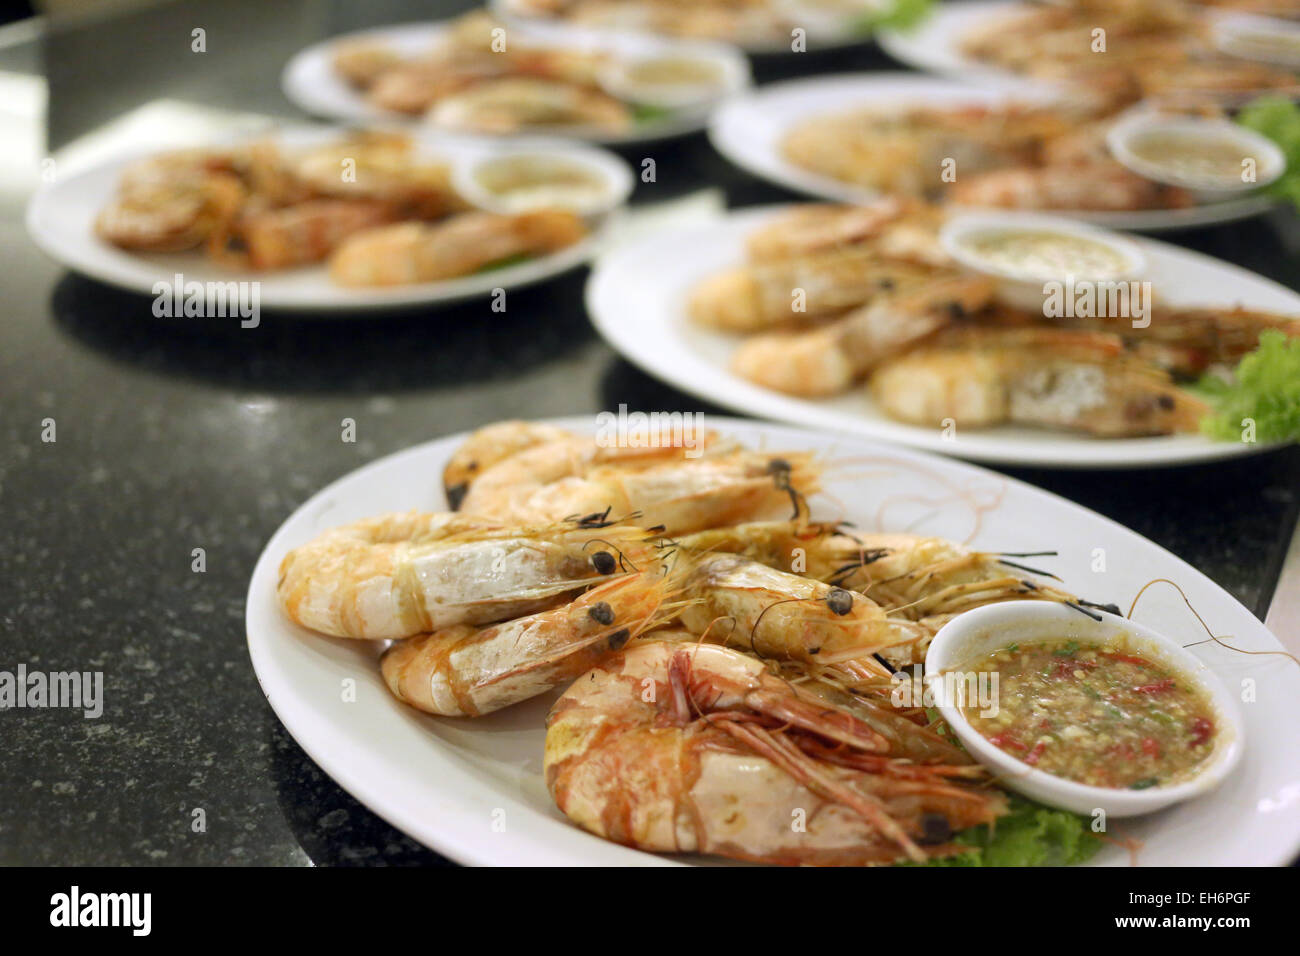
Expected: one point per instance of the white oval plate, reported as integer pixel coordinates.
(61, 220)
(637, 299)
(310, 81)
(748, 131)
(777, 45)
(473, 789)
(934, 44)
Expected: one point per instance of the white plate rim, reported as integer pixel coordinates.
(348, 767)
(88, 255)
(301, 80)
(732, 134)
(696, 376)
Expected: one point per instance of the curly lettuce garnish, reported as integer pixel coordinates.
(1029, 835)
(1278, 118)
(1264, 390)
(900, 15)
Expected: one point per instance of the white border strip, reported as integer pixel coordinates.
(1283, 617)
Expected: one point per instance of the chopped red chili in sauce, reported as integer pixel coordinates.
(1098, 715)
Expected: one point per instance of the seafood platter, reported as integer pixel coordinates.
(477, 74)
(737, 646)
(332, 220)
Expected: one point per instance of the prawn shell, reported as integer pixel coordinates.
(468, 671)
(397, 576)
(775, 613)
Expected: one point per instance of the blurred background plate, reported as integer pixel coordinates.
(824, 31)
(61, 219)
(637, 298)
(311, 82)
(748, 131)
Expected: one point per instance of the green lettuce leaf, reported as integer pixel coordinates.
(1278, 118)
(1264, 388)
(902, 15)
(1029, 835)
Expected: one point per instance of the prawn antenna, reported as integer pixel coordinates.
(596, 519)
(1083, 610)
(722, 617)
(838, 600)
(1108, 608)
(1025, 567)
(780, 470)
(601, 519)
(668, 548)
(1213, 637)
(864, 558)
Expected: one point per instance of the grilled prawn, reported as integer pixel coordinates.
(699, 749)
(665, 486)
(465, 243)
(1081, 381)
(399, 575)
(467, 671)
(828, 360)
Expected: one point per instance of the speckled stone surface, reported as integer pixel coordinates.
(175, 435)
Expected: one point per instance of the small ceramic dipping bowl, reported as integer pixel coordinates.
(971, 637)
(1025, 251)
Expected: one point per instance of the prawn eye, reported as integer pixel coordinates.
(935, 828)
(603, 562)
(601, 613)
(839, 601)
(456, 494)
(778, 466)
(619, 638)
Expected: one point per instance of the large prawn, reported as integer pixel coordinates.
(399, 575)
(832, 595)
(459, 245)
(467, 671)
(828, 360)
(1058, 378)
(733, 600)
(666, 487)
(678, 749)
(173, 202)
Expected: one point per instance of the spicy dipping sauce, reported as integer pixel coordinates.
(1103, 715)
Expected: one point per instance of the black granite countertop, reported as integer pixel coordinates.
(181, 434)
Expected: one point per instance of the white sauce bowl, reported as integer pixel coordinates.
(479, 180)
(1247, 35)
(975, 634)
(1125, 136)
(1021, 287)
(729, 76)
